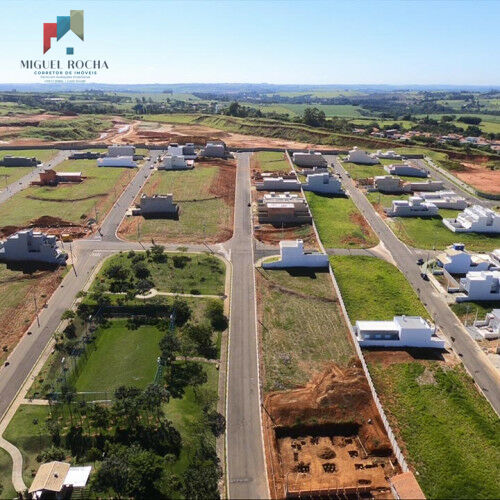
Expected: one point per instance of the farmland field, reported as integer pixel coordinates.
(339, 223)
(302, 327)
(205, 196)
(71, 202)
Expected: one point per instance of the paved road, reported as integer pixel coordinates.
(245, 453)
(473, 358)
(25, 181)
(87, 254)
(455, 186)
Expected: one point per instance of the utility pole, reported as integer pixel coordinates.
(72, 259)
(36, 309)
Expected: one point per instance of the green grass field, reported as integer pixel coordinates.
(201, 272)
(121, 357)
(188, 418)
(389, 293)
(363, 171)
(339, 223)
(6, 488)
(70, 202)
(302, 327)
(449, 430)
(203, 216)
(31, 439)
(8, 175)
(271, 161)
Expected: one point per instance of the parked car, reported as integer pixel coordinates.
(420, 262)
(424, 276)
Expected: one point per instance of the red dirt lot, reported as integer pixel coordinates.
(480, 177)
(15, 320)
(327, 438)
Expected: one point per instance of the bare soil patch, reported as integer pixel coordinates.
(49, 225)
(15, 320)
(480, 177)
(327, 437)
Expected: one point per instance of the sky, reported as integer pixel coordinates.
(271, 41)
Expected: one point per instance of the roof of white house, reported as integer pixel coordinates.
(78, 476)
(382, 326)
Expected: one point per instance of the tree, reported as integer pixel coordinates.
(169, 346)
(234, 109)
(314, 117)
(473, 131)
(157, 253)
(183, 375)
(202, 336)
(51, 454)
(141, 271)
(217, 423)
(201, 480)
(117, 272)
(215, 314)
(68, 314)
(129, 471)
(470, 120)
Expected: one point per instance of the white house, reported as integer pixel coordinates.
(286, 197)
(445, 199)
(388, 155)
(480, 285)
(475, 219)
(323, 183)
(30, 246)
(117, 161)
(456, 260)
(359, 156)
(406, 170)
(292, 254)
(175, 162)
(160, 205)
(269, 183)
(273, 210)
(309, 159)
(186, 150)
(414, 207)
(58, 480)
(402, 331)
(124, 150)
(215, 150)
(489, 328)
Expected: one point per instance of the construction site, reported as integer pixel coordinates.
(326, 439)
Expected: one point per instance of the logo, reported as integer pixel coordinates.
(73, 22)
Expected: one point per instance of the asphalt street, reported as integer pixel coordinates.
(245, 452)
(476, 362)
(25, 181)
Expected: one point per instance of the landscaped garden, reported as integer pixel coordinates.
(339, 222)
(302, 327)
(135, 382)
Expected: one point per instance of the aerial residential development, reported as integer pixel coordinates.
(250, 290)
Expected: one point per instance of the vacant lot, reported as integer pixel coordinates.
(120, 356)
(373, 289)
(363, 171)
(178, 273)
(17, 309)
(270, 161)
(206, 198)
(70, 202)
(8, 175)
(449, 432)
(302, 327)
(339, 223)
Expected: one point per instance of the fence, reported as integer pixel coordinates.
(397, 451)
